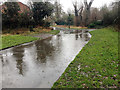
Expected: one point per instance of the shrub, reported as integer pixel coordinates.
(92, 25)
(96, 24)
(46, 24)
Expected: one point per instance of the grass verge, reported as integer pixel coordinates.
(54, 32)
(13, 40)
(71, 27)
(26, 31)
(96, 66)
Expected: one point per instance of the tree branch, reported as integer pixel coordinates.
(90, 3)
(85, 2)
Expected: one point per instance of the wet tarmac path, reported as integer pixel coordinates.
(39, 64)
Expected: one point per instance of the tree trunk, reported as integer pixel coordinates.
(80, 15)
(76, 15)
(87, 17)
(87, 9)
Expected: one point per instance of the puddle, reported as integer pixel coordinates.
(41, 63)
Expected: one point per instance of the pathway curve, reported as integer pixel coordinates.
(41, 63)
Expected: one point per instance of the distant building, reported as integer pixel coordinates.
(23, 7)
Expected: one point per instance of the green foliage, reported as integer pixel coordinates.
(11, 9)
(61, 22)
(70, 20)
(46, 24)
(13, 40)
(25, 19)
(108, 19)
(10, 17)
(54, 32)
(66, 20)
(96, 24)
(41, 10)
(96, 66)
(112, 17)
(92, 25)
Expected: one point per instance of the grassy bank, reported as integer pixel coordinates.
(96, 66)
(71, 27)
(23, 35)
(54, 32)
(26, 31)
(13, 40)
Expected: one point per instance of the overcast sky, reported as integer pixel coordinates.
(66, 4)
(97, 3)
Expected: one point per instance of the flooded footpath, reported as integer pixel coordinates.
(39, 64)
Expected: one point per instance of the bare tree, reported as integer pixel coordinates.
(95, 14)
(87, 9)
(78, 13)
(58, 9)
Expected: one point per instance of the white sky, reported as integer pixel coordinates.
(96, 3)
(66, 4)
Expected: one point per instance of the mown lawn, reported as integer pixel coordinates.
(13, 40)
(96, 66)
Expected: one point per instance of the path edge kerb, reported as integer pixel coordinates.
(26, 43)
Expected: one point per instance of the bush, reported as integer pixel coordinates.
(92, 25)
(46, 24)
(61, 22)
(96, 24)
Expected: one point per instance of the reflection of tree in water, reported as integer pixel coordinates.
(44, 48)
(84, 35)
(76, 36)
(2, 61)
(19, 53)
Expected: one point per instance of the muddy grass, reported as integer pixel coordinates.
(96, 66)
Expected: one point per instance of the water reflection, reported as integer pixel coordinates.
(76, 36)
(44, 48)
(82, 34)
(18, 54)
(41, 63)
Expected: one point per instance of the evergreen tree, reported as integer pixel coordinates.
(10, 14)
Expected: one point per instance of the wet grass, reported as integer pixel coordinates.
(13, 40)
(54, 32)
(16, 37)
(96, 66)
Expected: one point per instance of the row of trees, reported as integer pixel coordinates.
(39, 11)
(44, 13)
(106, 15)
(79, 16)
(86, 15)
(60, 17)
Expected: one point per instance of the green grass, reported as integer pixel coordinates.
(13, 40)
(54, 32)
(96, 66)
(41, 31)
